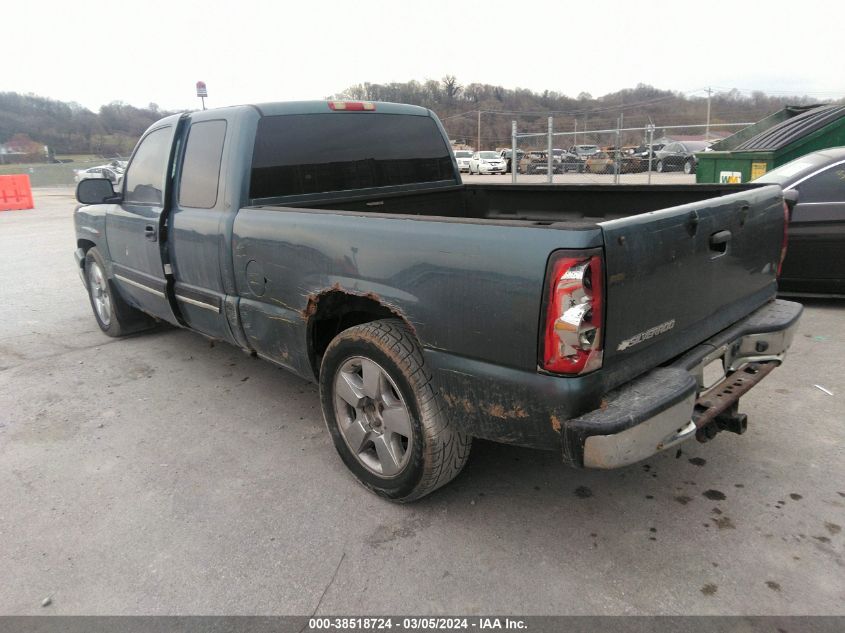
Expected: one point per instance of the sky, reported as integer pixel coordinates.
(252, 51)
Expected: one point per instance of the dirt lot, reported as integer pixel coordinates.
(161, 474)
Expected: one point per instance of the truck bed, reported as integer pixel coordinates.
(529, 203)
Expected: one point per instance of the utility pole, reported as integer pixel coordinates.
(707, 127)
(478, 139)
(550, 163)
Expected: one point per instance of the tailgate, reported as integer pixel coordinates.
(677, 276)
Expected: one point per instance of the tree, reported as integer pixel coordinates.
(451, 87)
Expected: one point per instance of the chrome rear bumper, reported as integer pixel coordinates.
(659, 409)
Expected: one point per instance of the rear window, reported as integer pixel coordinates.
(299, 154)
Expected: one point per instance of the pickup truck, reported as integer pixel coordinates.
(336, 239)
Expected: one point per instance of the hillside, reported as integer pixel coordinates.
(68, 128)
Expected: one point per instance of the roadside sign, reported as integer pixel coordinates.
(202, 91)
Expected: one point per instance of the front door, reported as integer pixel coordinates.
(134, 228)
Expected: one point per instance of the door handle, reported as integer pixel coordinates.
(719, 241)
(150, 233)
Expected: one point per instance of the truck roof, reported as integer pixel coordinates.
(322, 107)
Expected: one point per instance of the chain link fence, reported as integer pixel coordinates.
(612, 155)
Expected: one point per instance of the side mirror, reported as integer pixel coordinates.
(96, 191)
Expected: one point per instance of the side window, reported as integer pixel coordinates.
(201, 168)
(145, 176)
(827, 186)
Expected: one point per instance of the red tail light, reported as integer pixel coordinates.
(572, 335)
(785, 236)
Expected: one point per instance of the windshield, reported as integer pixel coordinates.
(463, 154)
(587, 149)
(488, 155)
(696, 146)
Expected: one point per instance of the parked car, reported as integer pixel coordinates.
(567, 161)
(431, 312)
(506, 156)
(815, 256)
(486, 163)
(534, 162)
(676, 156)
(604, 162)
(113, 175)
(584, 151)
(642, 152)
(599, 163)
(463, 156)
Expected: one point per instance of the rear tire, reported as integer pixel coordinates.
(370, 370)
(114, 316)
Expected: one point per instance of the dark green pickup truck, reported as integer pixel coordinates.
(337, 240)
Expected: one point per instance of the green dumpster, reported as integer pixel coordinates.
(782, 137)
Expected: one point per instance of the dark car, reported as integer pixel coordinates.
(815, 257)
(677, 155)
(642, 152)
(506, 156)
(567, 161)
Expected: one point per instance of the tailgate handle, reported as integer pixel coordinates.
(719, 241)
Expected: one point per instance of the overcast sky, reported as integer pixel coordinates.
(254, 51)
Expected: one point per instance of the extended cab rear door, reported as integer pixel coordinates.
(134, 228)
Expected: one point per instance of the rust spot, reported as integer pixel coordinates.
(313, 301)
(498, 411)
(458, 403)
(555, 423)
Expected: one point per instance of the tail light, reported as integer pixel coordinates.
(572, 334)
(785, 236)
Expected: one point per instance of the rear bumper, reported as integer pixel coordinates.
(590, 424)
(669, 404)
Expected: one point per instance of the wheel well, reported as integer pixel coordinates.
(85, 245)
(337, 310)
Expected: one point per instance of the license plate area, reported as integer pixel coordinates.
(712, 374)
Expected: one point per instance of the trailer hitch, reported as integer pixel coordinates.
(717, 410)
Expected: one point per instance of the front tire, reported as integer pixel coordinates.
(384, 415)
(114, 316)
(660, 167)
(689, 168)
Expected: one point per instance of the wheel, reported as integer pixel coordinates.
(114, 316)
(689, 168)
(660, 167)
(383, 414)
